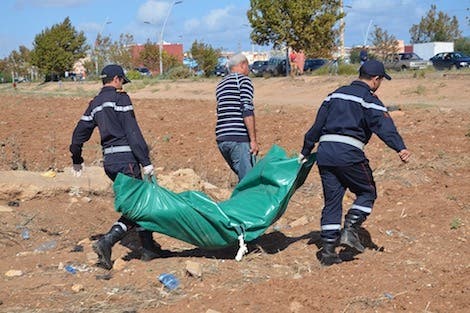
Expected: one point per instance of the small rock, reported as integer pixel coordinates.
(86, 199)
(4, 209)
(299, 222)
(14, 273)
(91, 257)
(77, 288)
(194, 268)
(119, 264)
(297, 276)
(212, 311)
(295, 307)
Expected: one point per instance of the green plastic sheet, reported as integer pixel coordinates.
(258, 201)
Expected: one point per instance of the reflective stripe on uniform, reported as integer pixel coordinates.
(361, 208)
(367, 105)
(331, 227)
(88, 118)
(343, 139)
(117, 149)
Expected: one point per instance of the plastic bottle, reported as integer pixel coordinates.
(25, 233)
(169, 281)
(48, 245)
(70, 269)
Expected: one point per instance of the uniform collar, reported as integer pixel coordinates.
(361, 84)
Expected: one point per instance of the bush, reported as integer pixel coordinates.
(133, 75)
(179, 72)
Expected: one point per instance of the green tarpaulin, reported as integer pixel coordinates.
(258, 201)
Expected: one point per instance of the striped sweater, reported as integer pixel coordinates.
(234, 96)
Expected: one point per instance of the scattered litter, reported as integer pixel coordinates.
(13, 203)
(389, 296)
(25, 233)
(389, 232)
(169, 281)
(70, 269)
(77, 248)
(74, 191)
(48, 245)
(14, 273)
(49, 173)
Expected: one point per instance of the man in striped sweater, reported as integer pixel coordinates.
(235, 129)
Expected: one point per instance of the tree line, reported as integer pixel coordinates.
(309, 25)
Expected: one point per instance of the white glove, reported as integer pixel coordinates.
(148, 170)
(77, 169)
(302, 159)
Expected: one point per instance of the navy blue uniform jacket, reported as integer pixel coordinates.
(113, 113)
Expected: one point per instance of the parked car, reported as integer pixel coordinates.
(450, 60)
(405, 61)
(143, 71)
(276, 66)
(314, 64)
(221, 70)
(258, 67)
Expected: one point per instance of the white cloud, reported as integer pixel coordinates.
(218, 17)
(49, 3)
(153, 11)
(192, 24)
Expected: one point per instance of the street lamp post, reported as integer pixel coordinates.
(96, 46)
(160, 47)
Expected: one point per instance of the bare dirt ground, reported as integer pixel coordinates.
(419, 226)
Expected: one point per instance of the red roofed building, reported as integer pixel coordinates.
(174, 49)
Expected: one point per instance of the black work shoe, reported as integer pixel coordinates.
(103, 249)
(350, 238)
(328, 255)
(150, 254)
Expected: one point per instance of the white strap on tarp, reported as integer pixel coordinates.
(242, 250)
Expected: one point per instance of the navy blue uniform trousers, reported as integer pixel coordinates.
(125, 163)
(335, 180)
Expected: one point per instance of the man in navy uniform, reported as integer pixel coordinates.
(124, 151)
(344, 124)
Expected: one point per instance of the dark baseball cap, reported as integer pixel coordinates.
(374, 68)
(112, 70)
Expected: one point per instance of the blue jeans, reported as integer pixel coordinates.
(238, 156)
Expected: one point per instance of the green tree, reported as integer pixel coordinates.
(462, 45)
(120, 51)
(100, 53)
(56, 49)
(205, 56)
(384, 43)
(18, 63)
(435, 26)
(150, 58)
(308, 25)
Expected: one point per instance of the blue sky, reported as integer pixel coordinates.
(221, 23)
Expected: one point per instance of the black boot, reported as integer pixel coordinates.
(103, 247)
(350, 233)
(328, 255)
(150, 249)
